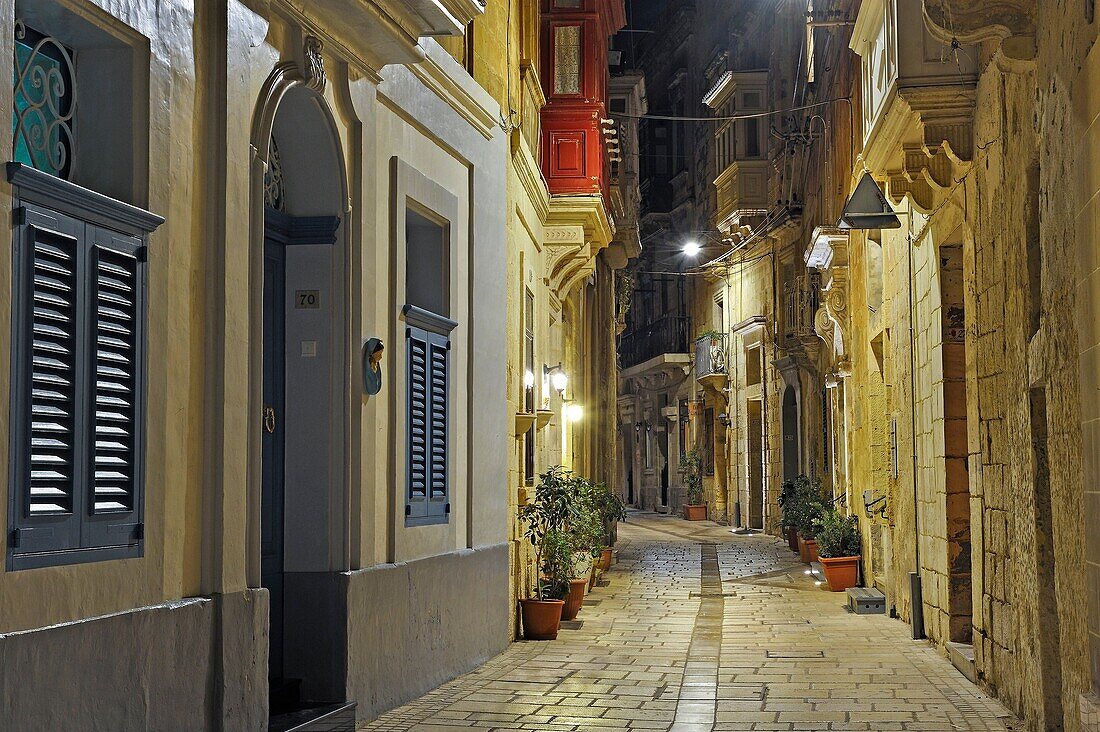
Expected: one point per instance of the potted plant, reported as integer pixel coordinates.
(557, 570)
(609, 510)
(691, 467)
(547, 515)
(838, 543)
(789, 497)
(809, 505)
(714, 336)
(586, 535)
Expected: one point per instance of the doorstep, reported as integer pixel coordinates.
(962, 658)
(328, 718)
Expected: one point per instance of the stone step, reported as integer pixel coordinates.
(962, 657)
(339, 717)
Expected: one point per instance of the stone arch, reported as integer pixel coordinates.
(297, 478)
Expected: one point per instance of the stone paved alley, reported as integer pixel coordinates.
(667, 645)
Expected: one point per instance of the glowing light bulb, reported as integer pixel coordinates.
(528, 379)
(574, 412)
(559, 380)
(692, 248)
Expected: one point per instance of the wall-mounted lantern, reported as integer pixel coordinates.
(559, 380)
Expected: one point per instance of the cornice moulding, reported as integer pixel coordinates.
(468, 99)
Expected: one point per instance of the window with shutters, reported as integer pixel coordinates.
(78, 373)
(428, 369)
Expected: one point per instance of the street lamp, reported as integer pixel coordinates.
(692, 248)
(574, 413)
(558, 378)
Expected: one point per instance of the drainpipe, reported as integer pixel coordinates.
(916, 595)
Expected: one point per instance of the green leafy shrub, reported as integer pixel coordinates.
(803, 502)
(586, 532)
(548, 515)
(837, 535)
(556, 568)
(609, 509)
(691, 468)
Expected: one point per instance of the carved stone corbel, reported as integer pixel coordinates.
(314, 63)
(829, 255)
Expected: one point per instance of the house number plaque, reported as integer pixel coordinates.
(307, 299)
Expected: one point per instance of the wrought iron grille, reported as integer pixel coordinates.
(274, 193)
(45, 102)
(710, 355)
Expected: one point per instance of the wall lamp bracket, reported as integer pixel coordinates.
(869, 506)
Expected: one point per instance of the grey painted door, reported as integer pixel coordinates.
(271, 504)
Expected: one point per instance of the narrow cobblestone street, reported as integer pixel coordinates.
(700, 629)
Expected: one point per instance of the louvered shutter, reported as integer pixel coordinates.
(428, 387)
(49, 249)
(114, 426)
(439, 353)
(416, 505)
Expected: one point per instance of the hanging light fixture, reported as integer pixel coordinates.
(868, 208)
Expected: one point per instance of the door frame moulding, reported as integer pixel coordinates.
(284, 78)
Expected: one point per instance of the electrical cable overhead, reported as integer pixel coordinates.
(732, 117)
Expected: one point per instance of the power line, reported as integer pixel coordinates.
(729, 118)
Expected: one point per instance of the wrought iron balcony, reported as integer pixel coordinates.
(665, 335)
(710, 355)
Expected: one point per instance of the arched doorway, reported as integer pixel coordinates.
(304, 351)
(790, 433)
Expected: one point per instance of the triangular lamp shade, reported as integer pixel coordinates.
(868, 208)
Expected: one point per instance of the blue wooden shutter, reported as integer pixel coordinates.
(46, 456)
(439, 350)
(115, 425)
(428, 387)
(416, 505)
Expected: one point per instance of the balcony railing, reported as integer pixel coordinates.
(710, 355)
(801, 299)
(666, 335)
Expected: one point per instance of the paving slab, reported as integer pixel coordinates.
(701, 630)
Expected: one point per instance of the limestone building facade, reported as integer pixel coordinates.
(942, 371)
(570, 218)
(220, 211)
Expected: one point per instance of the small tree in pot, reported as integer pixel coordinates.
(838, 544)
(587, 538)
(789, 496)
(546, 517)
(808, 505)
(691, 467)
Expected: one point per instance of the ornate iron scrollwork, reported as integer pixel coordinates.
(45, 101)
(274, 194)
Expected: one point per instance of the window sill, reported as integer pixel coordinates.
(411, 523)
(39, 560)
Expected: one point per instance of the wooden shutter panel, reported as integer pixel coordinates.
(45, 412)
(439, 349)
(418, 420)
(114, 426)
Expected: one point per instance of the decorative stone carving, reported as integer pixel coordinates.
(314, 71)
(973, 21)
(829, 255)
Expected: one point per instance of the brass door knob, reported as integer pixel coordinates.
(269, 420)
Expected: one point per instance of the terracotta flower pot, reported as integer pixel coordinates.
(802, 551)
(811, 551)
(695, 512)
(841, 572)
(574, 599)
(605, 558)
(541, 618)
(792, 539)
